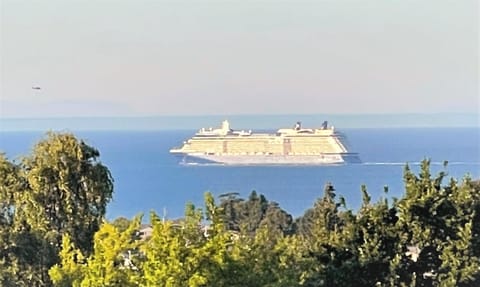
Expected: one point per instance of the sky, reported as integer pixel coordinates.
(140, 58)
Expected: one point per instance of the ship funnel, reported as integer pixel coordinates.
(325, 125)
(225, 125)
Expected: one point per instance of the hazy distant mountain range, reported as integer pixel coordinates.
(240, 121)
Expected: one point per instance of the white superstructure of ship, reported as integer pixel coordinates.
(294, 146)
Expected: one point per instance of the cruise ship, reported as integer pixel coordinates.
(294, 146)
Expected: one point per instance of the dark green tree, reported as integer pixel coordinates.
(328, 232)
(61, 188)
(121, 223)
(438, 232)
(246, 216)
(375, 239)
(10, 186)
(231, 206)
(68, 190)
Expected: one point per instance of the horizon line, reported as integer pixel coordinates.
(239, 115)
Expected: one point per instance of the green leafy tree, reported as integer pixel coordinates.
(438, 232)
(247, 216)
(163, 264)
(69, 189)
(10, 186)
(23, 248)
(71, 269)
(190, 252)
(232, 210)
(270, 258)
(121, 223)
(59, 189)
(115, 259)
(328, 234)
(375, 240)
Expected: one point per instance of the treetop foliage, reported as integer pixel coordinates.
(59, 189)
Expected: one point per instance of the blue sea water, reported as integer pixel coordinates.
(148, 178)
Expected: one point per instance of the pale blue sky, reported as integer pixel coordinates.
(141, 58)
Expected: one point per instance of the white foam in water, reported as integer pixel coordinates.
(386, 163)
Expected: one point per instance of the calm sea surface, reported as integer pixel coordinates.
(148, 178)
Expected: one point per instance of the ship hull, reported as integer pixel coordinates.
(327, 159)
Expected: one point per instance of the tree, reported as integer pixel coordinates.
(59, 189)
(114, 262)
(438, 230)
(71, 269)
(375, 240)
(232, 208)
(10, 185)
(328, 235)
(189, 253)
(68, 190)
(246, 216)
(121, 223)
(22, 247)
(269, 258)
(430, 237)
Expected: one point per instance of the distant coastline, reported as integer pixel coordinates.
(240, 121)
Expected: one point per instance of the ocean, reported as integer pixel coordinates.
(148, 178)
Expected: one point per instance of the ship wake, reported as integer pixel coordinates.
(419, 163)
